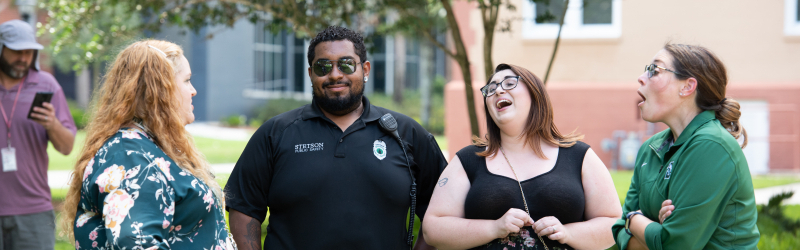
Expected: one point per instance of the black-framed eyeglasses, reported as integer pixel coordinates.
(651, 70)
(507, 84)
(324, 66)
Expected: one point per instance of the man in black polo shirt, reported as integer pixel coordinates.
(331, 178)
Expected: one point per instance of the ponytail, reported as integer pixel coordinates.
(728, 114)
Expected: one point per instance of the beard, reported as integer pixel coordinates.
(338, 105)
(9, 70)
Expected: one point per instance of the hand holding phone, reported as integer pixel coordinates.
(38, 100)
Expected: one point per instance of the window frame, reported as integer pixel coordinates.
(573, 23)
(791, 26)
(288, 50)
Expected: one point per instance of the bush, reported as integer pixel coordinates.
(275, 107)
(777, 230)
(79, 115)
(411, 106)
(774, 211)
(234, 120)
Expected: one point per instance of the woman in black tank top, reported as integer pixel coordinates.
(527, 186)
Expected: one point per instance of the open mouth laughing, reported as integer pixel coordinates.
(502, 103)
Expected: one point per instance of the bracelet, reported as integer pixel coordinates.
(628, 221)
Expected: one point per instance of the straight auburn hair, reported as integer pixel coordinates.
(539, 125)
(140, 84)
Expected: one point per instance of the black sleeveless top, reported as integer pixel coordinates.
(557, 193)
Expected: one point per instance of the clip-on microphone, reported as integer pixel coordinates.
(389, 125)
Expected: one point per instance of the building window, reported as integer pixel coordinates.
(280, 68)
(584, 19)
(597, 12)
(791, 26)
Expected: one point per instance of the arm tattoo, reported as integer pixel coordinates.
(442, 182)
(253, 234)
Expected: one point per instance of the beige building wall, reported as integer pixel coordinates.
(747, 35)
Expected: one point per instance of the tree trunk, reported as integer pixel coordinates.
(489, 15)
(399, 67)
(463, 62)
(83, 87)
(426, 73)
(96, 65)
(558, 39)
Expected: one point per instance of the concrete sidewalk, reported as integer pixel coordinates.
(763, 194)
(215, 131)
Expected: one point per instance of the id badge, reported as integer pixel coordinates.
(9, 159)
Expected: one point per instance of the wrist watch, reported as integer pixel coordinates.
(628, 221)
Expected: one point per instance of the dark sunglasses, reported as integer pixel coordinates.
(651, 70)
(507, 84)
(324, 66)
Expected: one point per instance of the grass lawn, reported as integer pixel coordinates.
(442, 141)
(221, 151)
(622, 181)
(771, 234)
(792, 211)
(65, 162)
(216, 151)
(762, 181)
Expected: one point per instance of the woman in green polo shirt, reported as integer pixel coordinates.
(691, 188)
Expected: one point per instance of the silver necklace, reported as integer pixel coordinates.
(522, 192)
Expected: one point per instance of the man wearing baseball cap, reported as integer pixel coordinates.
(26, 212)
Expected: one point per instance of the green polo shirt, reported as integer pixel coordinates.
(706, 176)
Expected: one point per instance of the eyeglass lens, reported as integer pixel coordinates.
(323, 67)
(507, 84)
(651, 70)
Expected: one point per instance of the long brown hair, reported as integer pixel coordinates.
(539, 126)
(712, 78)
(140, 84)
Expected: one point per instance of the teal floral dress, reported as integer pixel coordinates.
(135, 197)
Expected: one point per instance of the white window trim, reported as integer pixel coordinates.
(573, 23)
(791, 27)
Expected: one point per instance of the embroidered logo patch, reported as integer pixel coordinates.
(379, 149)
(308, 147)
(669, 171)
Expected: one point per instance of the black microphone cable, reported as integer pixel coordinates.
(389, 125)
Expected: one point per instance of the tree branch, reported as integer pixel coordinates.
(438, 44)
(427, 35)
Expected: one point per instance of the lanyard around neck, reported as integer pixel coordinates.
(9, 118)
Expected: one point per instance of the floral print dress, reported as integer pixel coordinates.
(526, 239)
(134, 196)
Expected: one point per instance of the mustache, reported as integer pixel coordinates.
(326, 84)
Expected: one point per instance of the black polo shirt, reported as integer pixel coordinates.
(328, 189)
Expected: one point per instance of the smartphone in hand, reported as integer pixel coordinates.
(41, 97)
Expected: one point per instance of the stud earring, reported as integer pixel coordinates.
(680, 94)
(366, 78)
